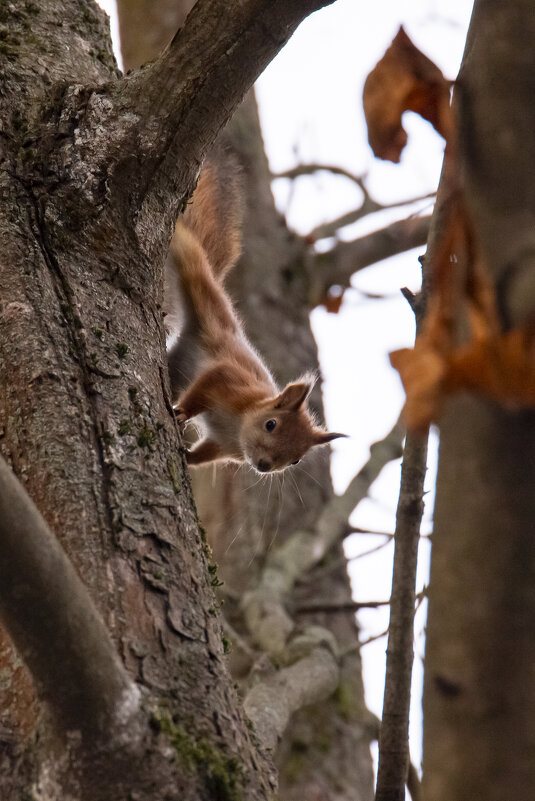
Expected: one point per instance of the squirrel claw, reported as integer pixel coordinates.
(180, 417)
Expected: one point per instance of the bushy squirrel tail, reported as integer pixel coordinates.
(215, 213)
(205, 245)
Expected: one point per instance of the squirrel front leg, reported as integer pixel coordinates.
(200, 394)
(221, 386)
(205, 451)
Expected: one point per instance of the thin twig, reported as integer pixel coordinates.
(311, 169)
(374, 638)
(368, 206)
(372, 550)
(346, 606)
(367, 531)
(336, 564)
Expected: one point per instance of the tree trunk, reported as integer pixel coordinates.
(91, 179)
(324, 754)
(479, 699)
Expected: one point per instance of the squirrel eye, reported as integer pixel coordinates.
(270, 425)
(296, 461)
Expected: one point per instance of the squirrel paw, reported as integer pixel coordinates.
(180, 417)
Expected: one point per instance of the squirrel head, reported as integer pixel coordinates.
(281, 430)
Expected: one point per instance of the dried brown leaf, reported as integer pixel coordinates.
(404, 80)
(499, 365)
(502, 368)
(333, 303)
(422, 372)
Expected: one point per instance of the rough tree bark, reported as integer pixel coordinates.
(93, 169)
(324, 752)
(479, 699)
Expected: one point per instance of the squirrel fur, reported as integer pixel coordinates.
(216, 374)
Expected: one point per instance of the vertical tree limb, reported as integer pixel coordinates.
(480, 653)
(53, 622)
(393, 738)
(394, 758)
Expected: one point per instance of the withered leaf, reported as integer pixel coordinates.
(404, 80)
(498, 365)
(491, 362)
(422, 371)
(333, 303)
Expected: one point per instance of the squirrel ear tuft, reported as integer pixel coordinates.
(323, 437)
(293, 396)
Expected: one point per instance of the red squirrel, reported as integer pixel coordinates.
(216, 374)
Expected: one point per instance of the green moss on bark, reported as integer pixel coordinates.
(220, 773)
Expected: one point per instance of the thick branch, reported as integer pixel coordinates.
(190, 92)
(271, 702)
(338, 265)
(53, 623)
(264, 609)
(315, 674)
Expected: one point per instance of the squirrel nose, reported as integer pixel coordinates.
(263, 465)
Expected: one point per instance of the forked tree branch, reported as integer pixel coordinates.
(173, 110)
(54, 624)
(314, 674)
(336, 266)
(369, 206)
(313, 168)
(271, 702)
(141, 139)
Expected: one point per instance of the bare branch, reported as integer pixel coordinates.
(369, 206)
(271, 702)
(351, 606)
(368, 532)
(336, 266)
(382, 452)
(264, 611)
(354, 606)
(393, 740)
(364, 554)
(53, 622)
(268, 621)
(373, 638)
(311, 169)
(336, 564)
